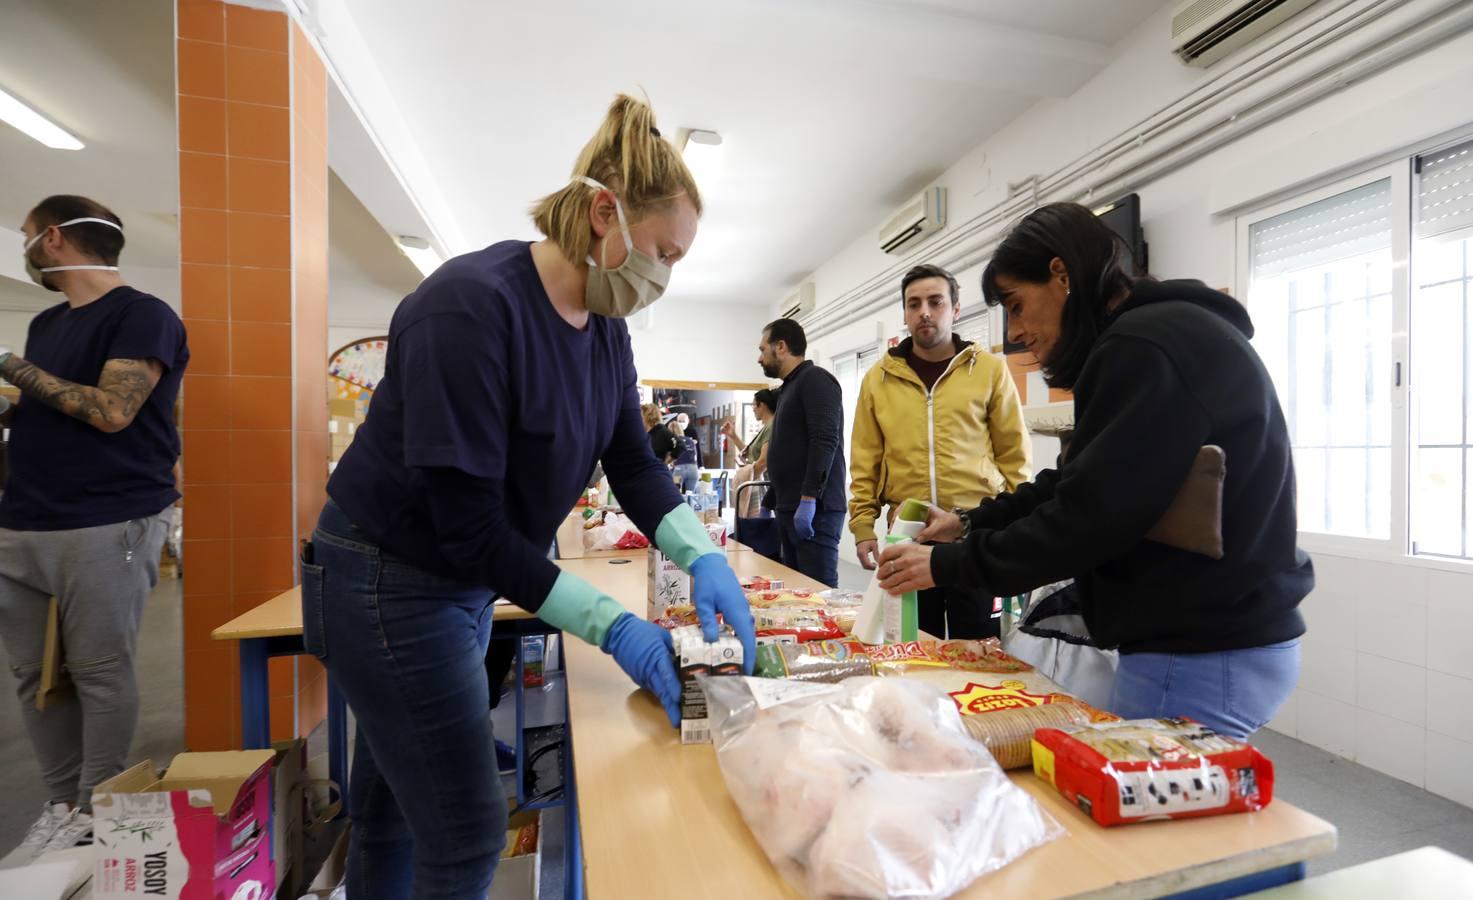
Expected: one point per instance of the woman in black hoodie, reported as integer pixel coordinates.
(1158, 370)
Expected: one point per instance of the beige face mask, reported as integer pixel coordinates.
(639, 281)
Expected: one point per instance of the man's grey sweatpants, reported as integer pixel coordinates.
(101, 578)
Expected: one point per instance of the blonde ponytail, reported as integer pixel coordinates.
(629, 156)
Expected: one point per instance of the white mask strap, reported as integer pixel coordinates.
(77, 268)
(618, 209)
(32, 241)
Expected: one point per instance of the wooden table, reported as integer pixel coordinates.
(656, 814)
(275, 629)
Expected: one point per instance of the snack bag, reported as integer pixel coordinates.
(794, 626)
(1142, 769)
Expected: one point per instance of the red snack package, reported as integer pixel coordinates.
(794, 626)
(1142, 769)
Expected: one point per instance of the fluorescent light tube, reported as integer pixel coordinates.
(33, 124)
(419, 251)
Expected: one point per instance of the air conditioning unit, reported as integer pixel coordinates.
(1204, 31)
(921, 217)
(801, 303)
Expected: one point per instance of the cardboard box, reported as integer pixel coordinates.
(289, 811)
(342, 408)
(693, 657)
(519, 877)
(201, 830)
(668, 586)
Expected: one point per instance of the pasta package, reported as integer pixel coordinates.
(777, 625)
(1143, 769)
(834, 660)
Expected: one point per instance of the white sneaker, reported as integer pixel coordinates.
(74, 831)
(39, 835)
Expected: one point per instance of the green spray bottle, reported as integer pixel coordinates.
(902, 619)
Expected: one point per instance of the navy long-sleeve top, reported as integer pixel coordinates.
(491, 415)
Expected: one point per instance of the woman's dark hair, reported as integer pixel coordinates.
(1092, 255)
(99, 242)
(767, 397)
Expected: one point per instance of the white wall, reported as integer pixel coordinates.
(699, 342)
(1387, 677)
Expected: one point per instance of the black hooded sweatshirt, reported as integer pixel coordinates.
(1172, 371)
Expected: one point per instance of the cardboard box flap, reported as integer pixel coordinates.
(222, 774)
(132, 781)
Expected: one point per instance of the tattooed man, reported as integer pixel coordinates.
(92, 450)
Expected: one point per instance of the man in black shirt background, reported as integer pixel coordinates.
(805, 459)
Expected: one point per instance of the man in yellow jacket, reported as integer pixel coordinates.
(938, 419)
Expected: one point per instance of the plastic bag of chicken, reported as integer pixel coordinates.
(868, 788)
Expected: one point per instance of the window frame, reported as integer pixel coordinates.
(1397, 545)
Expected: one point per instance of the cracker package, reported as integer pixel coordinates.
(1142, 769)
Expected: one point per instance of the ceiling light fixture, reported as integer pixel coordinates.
(35, 125)
(702, 154)
(425, 258)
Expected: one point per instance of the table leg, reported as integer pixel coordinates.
(337, 740)
(255, 689)
(572, 836)
(519, 744)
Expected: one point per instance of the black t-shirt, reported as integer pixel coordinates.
(662, 443)
(930, 372)
(65, 473)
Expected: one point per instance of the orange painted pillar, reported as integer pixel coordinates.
(252, 112)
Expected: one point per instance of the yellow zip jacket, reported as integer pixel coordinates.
(957, 445)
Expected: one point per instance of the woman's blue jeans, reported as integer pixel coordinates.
(407, 649)
(1234, 692)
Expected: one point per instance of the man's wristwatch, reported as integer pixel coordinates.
(966, 522)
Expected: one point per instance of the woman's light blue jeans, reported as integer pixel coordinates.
(1234, 692)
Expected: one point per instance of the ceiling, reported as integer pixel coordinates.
(448, 119)
(105, 72)
(834, 112)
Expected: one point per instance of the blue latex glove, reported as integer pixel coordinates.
(645, 653)
(803, 518)
(715, 589)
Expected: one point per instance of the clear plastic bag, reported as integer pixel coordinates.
(868, 788)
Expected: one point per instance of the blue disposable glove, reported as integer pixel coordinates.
(645, 653)
(803, 518)
(714, 589)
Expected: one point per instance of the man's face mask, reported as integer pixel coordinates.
(635, 284)
(38, 272)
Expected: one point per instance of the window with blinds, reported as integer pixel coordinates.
(1320, 294)
(1442, 354)
(976, 328)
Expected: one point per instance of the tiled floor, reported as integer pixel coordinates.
(1377, 815)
